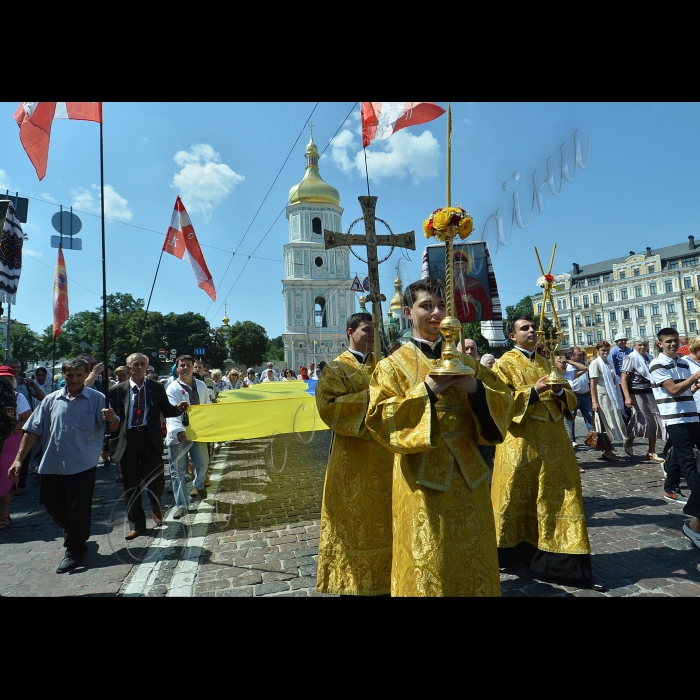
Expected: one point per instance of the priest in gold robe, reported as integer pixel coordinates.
(444, 541)
(536, 489)
(354, 553)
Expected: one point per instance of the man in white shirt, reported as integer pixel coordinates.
(194, 392)
(581, 386)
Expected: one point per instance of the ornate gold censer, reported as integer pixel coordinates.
(550, 341)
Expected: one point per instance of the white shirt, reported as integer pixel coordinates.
(177, 393)
(132, 403)
(678, 409)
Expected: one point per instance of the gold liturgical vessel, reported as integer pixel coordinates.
(445, 224)
(550, 341)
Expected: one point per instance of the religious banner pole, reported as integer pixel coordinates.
(445, 224)
(105, 379)
(371, 240)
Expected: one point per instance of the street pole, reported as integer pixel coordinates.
(8, 342)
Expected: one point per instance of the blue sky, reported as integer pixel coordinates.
(227, 162)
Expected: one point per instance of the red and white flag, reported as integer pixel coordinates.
(60, 295)
(382, 119)
(181, 241)
(35, 119)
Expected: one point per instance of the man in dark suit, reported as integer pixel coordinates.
(138, 444)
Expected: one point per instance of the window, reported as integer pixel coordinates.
(690, 262)
(578, 320)
(636, 272)
(673, 324)
(697, 280)
(652, 288)
(585, 301)
(622, 274)
(599, 336)
(687, 283)
(651, 269)
(668, 285)
(318, 261)
(642, 331)
(576, 302)
(655, 309)
(320, 312)
(671, 307)
(559, 304)
(628, 332)
(589, 338)
(690, 305)
(623, 294)
(565, 340)
(611, 296)
(638, 290)
(564, 322)
(316, 226)
(588, 319)
(673, 265)
(693, 325)
(640, 311)
(596, 298)
(606, 279)
(612, 316)
(563, 303)
(539, 308)
(598, 318)
(625, 313)
(657, 328)
(579, 338)
(548, 307)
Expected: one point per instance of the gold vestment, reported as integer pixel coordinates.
(444, 541)
(536, 488)
(354, 553)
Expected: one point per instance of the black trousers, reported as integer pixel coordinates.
(141, 462)
(68, 500)
(683, 437)
(548, 565)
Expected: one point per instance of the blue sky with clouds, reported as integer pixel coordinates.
(234, 163)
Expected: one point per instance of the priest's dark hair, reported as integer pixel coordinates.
(510, 328)
(434, 287)
(356, 319)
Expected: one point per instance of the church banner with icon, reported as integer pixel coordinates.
(475, 288)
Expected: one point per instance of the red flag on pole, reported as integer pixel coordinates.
(382, 119)
(35, 119)
(181, 241)
(60, 295)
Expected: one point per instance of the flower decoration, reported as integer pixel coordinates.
(556, 282)
(441, 220)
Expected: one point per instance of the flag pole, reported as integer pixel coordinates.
(53, 366)
(138, 343)
(105, 381)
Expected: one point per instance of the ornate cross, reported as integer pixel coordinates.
(371, 240)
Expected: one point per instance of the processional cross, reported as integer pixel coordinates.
(371, 240)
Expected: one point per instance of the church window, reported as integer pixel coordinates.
(316, 226)
(320, 313)
(318, 261)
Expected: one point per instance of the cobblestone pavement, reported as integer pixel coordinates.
(256, 534)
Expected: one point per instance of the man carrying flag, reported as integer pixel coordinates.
(181, 241)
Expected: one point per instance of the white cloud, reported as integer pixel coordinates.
(33, 253)
(396, 157)
(4, 181)
(47, 196)
(203, 181)
(116, 207)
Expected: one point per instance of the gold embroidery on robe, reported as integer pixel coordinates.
(536, 489)
(354, 554)
(443, 531)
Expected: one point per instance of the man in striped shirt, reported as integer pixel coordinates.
(672, 383)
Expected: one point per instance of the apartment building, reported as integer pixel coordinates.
(637, 294)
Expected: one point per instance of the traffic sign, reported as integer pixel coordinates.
(161, 357)
(162, 351)
(66, 223)
(67, 243)
(365, 284)
(154, 354)
(173, 351)
(356, 285)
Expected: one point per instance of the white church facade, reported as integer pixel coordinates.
(316, 286)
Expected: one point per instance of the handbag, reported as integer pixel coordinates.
(598, 440)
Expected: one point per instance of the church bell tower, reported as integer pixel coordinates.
(316, 287)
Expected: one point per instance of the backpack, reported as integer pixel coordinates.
(8, 410)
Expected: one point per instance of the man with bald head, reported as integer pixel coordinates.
(468, 346)
(138, 443)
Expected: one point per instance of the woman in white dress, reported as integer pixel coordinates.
(606, 398)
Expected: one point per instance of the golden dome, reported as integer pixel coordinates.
(225, 320)
(313, 188)
(396, 303)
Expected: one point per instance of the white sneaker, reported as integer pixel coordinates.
(694, 537)
(179, 513)
(574, 445)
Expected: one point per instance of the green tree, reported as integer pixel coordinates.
(248, 343)
(24, 343)
(275, 349)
